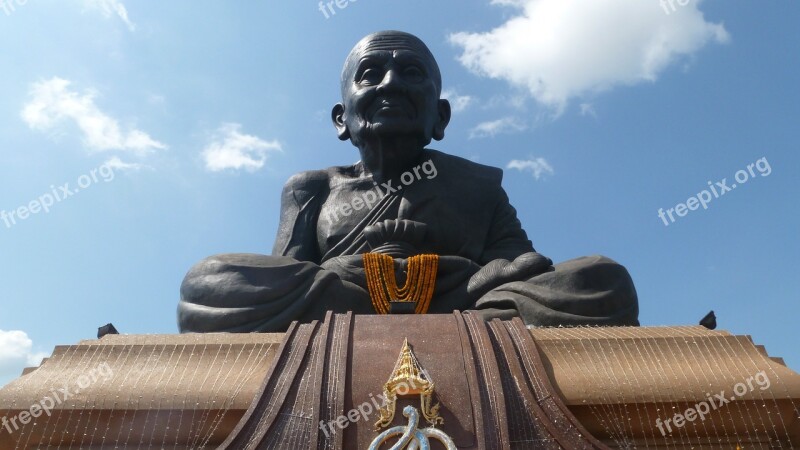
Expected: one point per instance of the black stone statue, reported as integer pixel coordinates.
(400, 199)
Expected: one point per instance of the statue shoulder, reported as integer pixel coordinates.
(461, 168)
(303, 186)
(310, 183)
(307, 179)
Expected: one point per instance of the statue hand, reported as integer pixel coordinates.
(399, 250)
(399, 238)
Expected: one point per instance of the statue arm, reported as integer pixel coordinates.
(301, 201)
(506, 239)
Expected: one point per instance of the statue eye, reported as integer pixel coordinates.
(371, 75)
(414, 74)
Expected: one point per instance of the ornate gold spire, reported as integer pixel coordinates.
(408, 378)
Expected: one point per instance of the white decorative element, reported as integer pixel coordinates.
(410, 437)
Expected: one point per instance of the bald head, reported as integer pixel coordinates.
(389, 41)
(391, 95)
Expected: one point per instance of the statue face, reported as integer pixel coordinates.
(390, 88)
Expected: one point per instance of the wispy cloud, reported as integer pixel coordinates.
(16, 353)
(230, 149)
(561, 49)
(53, 103)
(458, 102)
(536, 166)
(587, 109)
(116, 164)
(111, 8)
(495, 127)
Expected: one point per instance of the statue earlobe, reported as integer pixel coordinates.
(337, 116)
(444, 119)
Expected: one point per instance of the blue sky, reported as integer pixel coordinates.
(179, 124)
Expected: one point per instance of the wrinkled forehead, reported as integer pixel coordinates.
(389, 42)
(392, 41)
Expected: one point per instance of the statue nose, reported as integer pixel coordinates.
(392, 81)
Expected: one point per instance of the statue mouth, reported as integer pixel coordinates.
(392, 106)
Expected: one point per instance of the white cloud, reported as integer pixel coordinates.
(494, 127)
(230, 149)
(53, 103)
(156, 100)
(587, 109)
(16, 353)
(117, 164)
(503, 101)
(459, 103)
(537, 166)
(110, 8)
(561, 49)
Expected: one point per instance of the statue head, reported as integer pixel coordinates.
(391, 88)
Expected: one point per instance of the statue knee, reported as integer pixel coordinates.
(208, 275)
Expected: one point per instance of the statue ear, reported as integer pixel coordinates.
(337, 116)
(444, 119)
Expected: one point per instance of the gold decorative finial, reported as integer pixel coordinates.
(408, 378)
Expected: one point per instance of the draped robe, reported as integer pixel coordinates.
(487, 264)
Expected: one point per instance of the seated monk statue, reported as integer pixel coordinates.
(400, 202)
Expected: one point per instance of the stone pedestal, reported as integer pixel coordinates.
(499, 386)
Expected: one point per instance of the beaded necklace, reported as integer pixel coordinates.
(382, 284)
